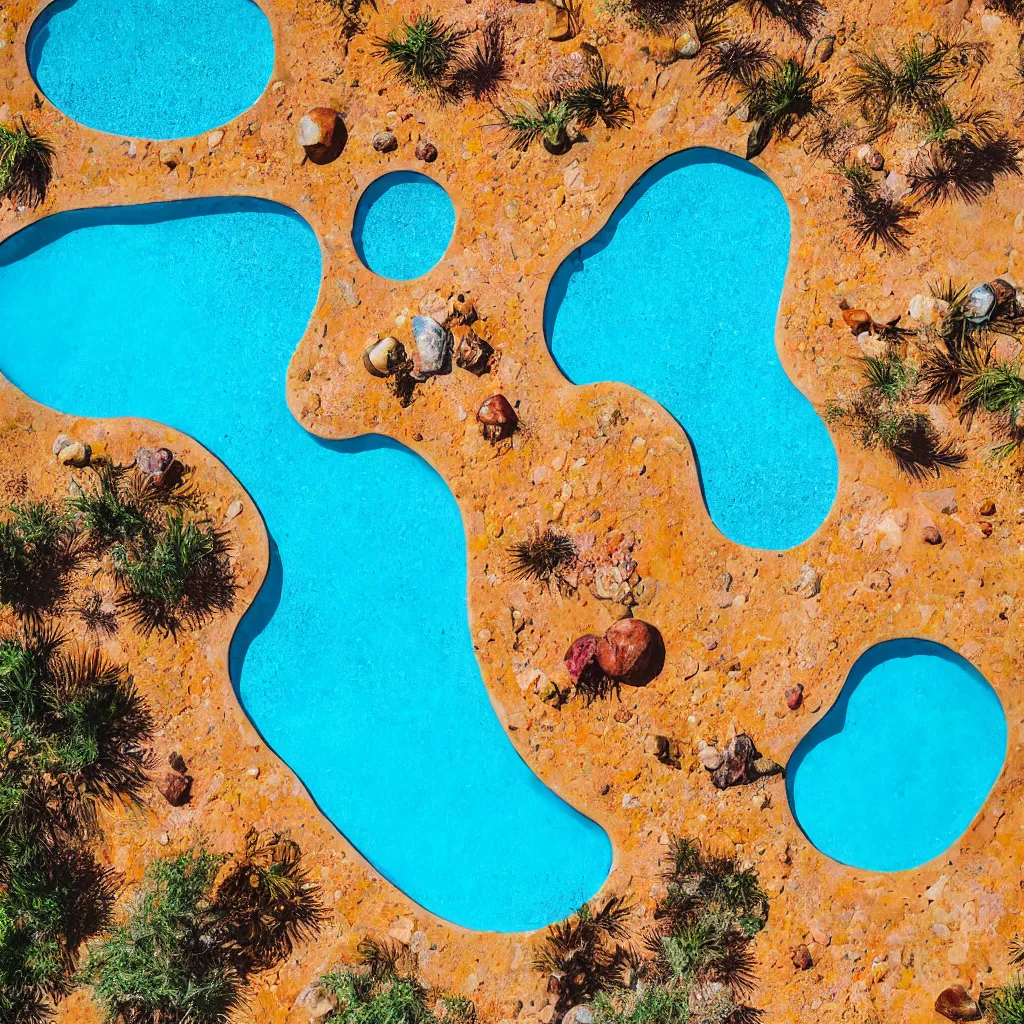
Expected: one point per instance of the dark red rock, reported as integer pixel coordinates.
(177, 762)
(955, 1003)
(737, 767)
(498, 418)
(153, 461)
(931, 535)
(626, 649)
(802, 959)
(795, 697)
(581, 656)
(176, 788)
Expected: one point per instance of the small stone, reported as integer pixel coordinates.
(987, 508)
(942, 500)
(623, 715)
(253, 773)
(986, 529)
(737, 765)
(426, 151)
(930, 535)
(384, 142)
(795, 697)
(581, 658)
(709, 756)
(383, 357)
(176, 788)
(808, 583)
(472, 352)
(955, 1003)
(163, 839)
(802, 959)
(62, 441)
(177, 762)
(497, 418)
(433, 348)
(169, 157)
(234, 510)
(214, 139)
(316, 1003)
(153, 462)
(626, 650)
(687, 46)
(75, 454)
(578, 1015)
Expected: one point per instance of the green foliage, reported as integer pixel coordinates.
(1005, 1005)
(383, 989)
(779, 95)
(423, 53)
(159, 963)
(26, 165)
(181, 578)
(188, 945)
(38, 555)
(545, 120)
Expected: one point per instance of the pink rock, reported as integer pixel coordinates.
(498, 418)
(626, 649)
(795, 697)
(581, 656)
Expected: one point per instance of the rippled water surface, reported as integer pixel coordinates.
(903, 761)
(678, 296)
(356, 661)
(163, 69)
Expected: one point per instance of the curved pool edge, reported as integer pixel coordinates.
(996, 793)
(553, 262)
(226, 626)
(278, 29)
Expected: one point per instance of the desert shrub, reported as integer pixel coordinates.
(180, 577)
(778, 96)
(543, 556)
(26, 165)
(874, 213)
(423, 53)
(188, 945)
(383, 988)
(39, 553)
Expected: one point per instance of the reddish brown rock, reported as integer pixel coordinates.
(471, 351)
(795, 697)
(321, 133)
(987, 508)
(930, 535)
(426, 151)
(858, 320)
(176, 788)
(498, 418)
(384, 142)
(986, 528)
(955, 1003)
(626, 649)
(737, 766)
(802, 959)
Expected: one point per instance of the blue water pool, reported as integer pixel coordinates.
(403, 224)
(902, 762)
(356, 661)
(677, 295)
(162, 69)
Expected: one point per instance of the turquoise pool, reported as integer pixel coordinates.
(896, 771)
(355, 662)
(678, 296)
(403, 224)
(164, 69)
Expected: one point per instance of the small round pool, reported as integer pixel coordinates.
(165, 69)
(403, 224)
(896, 771)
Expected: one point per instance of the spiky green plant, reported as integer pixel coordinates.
(161, 961)
(778, 97)
(545, 121)
(423, 53)
(181, 578)
(383, 988)
(26, 165)
(39, 553)
(599, 98)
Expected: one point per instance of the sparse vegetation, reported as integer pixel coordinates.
(780, 94)
(73, 734)
(383, 988)
(26, 165)
(599, 98)
(180, 578)
(423, 53)
(695, 965)
(874, 213)
(188, 947)
(545, 120)
(39, 553)
(543, 557)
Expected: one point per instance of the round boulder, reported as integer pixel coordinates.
(426, 151)
(384, 142)
(626, 651)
